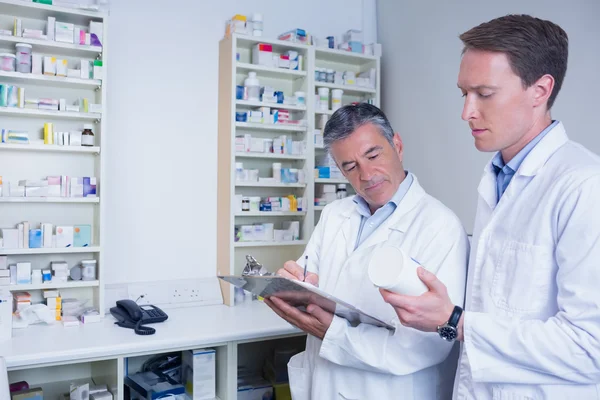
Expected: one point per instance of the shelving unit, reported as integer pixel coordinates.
(342, 61)
(37, 160)
(234, 70)
(235, 64)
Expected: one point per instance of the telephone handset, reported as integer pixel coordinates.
(131, 315)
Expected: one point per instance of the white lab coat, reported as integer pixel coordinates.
(532, 321)
(366, 362)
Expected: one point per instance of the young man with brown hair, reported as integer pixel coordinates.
(531, 324)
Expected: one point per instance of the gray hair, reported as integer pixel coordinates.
(349, 118)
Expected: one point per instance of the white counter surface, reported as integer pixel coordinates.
(186, 328)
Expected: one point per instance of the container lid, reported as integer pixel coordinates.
(330, 71)
(88, 262)
(252, 74)
(88, 126)
(23, 45)
(239, 165)
(7, 55)
(341, 186)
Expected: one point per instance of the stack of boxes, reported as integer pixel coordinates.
(21, 300)
(327, 168)
(54, 302)
(262, 54)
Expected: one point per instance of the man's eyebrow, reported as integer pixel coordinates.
(478, 87)
(372, 149)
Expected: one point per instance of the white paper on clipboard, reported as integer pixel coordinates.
(300, 294)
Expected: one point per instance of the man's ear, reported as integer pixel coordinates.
(542, 89)
(398, 145)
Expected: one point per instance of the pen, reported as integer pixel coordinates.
(305, 265)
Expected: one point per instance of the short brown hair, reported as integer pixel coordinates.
(534, 47)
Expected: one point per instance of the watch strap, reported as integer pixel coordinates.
(455, 316)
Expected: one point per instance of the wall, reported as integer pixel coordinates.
(162, 122)
(421, 56)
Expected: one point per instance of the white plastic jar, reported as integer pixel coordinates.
(253, 87)
(324, 98)
(88, 270)
(7, 62)
(336, 99)
(23, 58)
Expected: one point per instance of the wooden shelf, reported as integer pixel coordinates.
(55, 285)
(268, 184)
(270, 72)
(346, 88)
(271, 127)
(330, 180)
(271, 244)
(49, 148)
(81, 200)
(9, 111)
(45, 80)
(51, 47)
(53, 250)
(29, 9)
(342, 56)
(248, 103)
(270, 156)
(270, 214)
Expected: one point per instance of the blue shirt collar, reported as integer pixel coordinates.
(363, 206)
(514, 164)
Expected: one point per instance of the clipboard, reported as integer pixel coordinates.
(301, 294)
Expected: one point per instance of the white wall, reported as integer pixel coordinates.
(162, 122)
(421, 56)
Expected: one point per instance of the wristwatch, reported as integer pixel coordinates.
(449, 330)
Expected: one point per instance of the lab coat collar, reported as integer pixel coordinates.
(540, 154)
(395, 222)
(535, 160)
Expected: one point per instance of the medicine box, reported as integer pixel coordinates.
(262, 54)
(82, 236)
(199, 373)
(254, 389)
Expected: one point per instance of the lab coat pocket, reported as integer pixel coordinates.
(522, 277)
(499, 393)
(300, 377)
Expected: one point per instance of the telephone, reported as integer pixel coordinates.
(130, 315)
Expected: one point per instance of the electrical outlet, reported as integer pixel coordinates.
(191, 292)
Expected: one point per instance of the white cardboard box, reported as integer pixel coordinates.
(199, 373)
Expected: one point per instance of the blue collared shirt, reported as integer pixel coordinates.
(505, 172)
(369, 223)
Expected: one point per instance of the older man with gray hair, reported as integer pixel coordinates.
(343, 361)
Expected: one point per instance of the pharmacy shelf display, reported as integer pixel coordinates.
(269, 144)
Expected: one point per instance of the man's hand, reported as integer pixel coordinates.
(425, 312)
(292, 270)
(315, 322)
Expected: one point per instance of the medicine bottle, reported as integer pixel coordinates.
(87, 136)
(246, 204)
(341, 191)
(252, 85)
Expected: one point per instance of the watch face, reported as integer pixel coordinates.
(448, 333)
